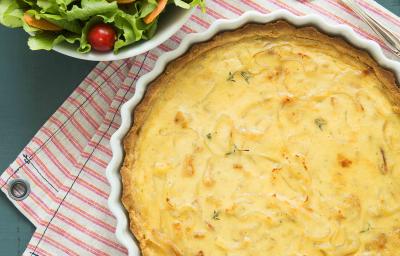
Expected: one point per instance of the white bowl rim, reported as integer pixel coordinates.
(123, 232)
(130, 51)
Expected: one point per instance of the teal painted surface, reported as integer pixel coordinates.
(392, 5)
(32, 86)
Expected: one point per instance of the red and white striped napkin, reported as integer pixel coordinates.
(66, 160)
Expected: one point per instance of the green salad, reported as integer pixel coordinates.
(100, 25)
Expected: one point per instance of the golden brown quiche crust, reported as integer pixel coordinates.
(274, 29)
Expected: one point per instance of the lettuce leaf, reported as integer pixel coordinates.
(145, 8)
(72, 26)
(48, 6)
(90, 8)
(182, 4)
(11, 13)
(201, 3)
(129, 26)
(63, 4)
(46, 41)
(30, 2)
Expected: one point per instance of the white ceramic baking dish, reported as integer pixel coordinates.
(123, 233)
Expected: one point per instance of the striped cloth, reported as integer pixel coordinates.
(66, 160)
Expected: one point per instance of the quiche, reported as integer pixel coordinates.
(266, 140)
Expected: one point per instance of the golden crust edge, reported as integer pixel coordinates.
(276, 28)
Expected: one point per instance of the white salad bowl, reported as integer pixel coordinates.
(168, 24)
(123, 232)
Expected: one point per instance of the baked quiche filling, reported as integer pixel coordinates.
(268, 140)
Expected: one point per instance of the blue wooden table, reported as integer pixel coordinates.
(32, 86)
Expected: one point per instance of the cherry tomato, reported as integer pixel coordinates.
(102, 37)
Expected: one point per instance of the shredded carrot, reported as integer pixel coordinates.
(40, 24)
(154, 14)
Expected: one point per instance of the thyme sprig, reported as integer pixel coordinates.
(320, 122)
(236, 149)
(215, 215)
(246, 76)
(366, 229)
(231, 77)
